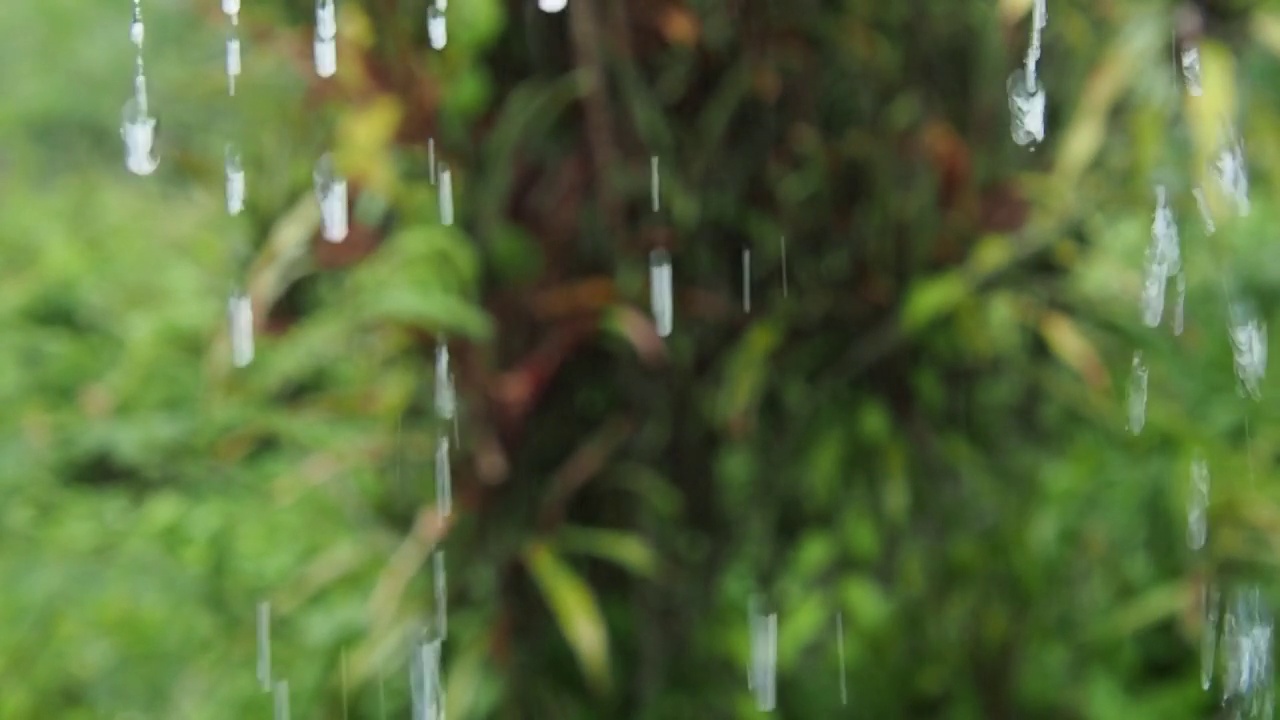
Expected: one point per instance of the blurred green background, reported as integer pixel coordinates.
(925, 436)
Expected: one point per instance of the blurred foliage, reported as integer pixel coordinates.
(923, 435)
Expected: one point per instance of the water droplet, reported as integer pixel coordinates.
(325, 45)
(231, 7)
(1137, 394)
(1198, 504)
(762, 676)
(445, 178)
(437, 27)
(240, 314)
(444, 477)
(326, 19)
(1248, 337)
(844, 686)
(1180, 304)
(1191, 70)
(431, 159)
(442, 595)
(139, 133)
(552, 6)
(264, 645)
(233, 61)
(746, 280)
(661, 291)
(1027, 108)
(655, 184)
(445, 400)
(1202, 203)
(282, 700)
(1164, 259)
(1210, 599)
(331, 192)
(1230, 169)
(235, 182)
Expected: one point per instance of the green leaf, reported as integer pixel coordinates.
(626, 549)
(933, 298)
(576, 611)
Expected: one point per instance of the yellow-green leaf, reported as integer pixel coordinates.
(626, 549)
(574, 606)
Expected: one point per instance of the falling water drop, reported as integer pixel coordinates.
(1198, 504)
(1248, 347)
(444, 477)
(445, 399)
(783, 243)
(233, 57)
(442, 595)
(1202, 204)
(431, 160)
(655, 184)
(552, 6)
(326, 38)
(761, 678)
(137, 29)
(1137, 394)
(264, 645)
(1190, 61)
(437, 27)
(139, 133)
(1180, 304)
(282, 700)
(235, 181)
(746, 280)
(844, 686)
(240, 312)
(1163, 260)
(1232, 172)
(445, 178)
(661, 291)
(1210, 599)
(344, 683)
(231, 7)
(331, 192)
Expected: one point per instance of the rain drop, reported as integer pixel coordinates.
(282, 700)
(240, 310)
(655, 184)
(1137, 394)
(264, 645)
(331, 192)
(552, 6)
(235, 182)
(437, 27)
(661, 291)
(1198, 504)
(445, 178)
(444, 477)
(326, 39)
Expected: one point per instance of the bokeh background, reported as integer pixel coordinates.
(925, 436)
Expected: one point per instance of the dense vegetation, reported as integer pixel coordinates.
(925, 433)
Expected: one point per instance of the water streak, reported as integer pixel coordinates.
(1198, 504)
(331, 192)
(1248, 337)
(1248, 677)
(139, 127)
(444, 477)
(1164, 259)
(661, 291)
(264, 645)
(446, 398)
(442, 594)
(425, 685)
(844, 685)
(437, 26)
(235, 181)
(325, 45)
(1137, 394)
(746, 280)
(282, 700)
(552, 6)
(1232, 172)
(762, 676)
(233, 56)
(1190, 61)
(655, 184)
(445, 177)
(1210, 599)
(240, 317)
